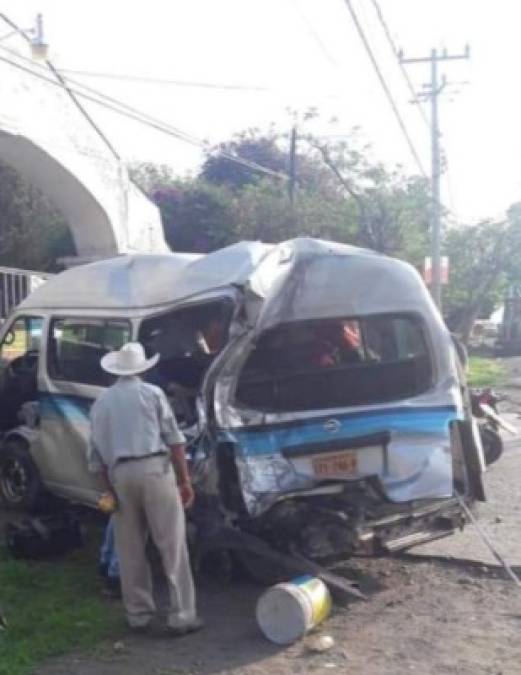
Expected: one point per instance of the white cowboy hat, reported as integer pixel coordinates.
(129, 360)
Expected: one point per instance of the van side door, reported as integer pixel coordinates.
(20, 351)
(72, 380)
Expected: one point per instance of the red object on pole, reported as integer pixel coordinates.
(444, 270)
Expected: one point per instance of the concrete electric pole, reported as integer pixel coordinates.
(432, 91)
(292, 171)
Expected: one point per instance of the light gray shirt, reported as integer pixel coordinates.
(130, 419)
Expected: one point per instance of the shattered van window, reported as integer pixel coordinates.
(336, 363)
(187, 339)
(77, 345)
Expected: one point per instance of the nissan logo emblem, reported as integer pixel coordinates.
(332, 426)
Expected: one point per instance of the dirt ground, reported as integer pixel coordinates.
(443, 608)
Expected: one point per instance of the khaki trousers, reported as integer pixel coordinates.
(149, 502)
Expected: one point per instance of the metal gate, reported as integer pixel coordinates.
(15, 285)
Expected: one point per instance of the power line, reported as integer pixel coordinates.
(143, 79)
(128, 111)
(416, 100)
(396, 52)
(316, 37)
(82, 110)
(385, 87)
(78, 105)
(232, 88)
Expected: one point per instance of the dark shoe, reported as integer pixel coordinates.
(179, 631)
(151, 627)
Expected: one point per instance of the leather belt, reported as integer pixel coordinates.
(137, 458)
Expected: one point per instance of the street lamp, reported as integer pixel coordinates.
(39, 48)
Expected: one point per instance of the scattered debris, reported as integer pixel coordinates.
(320, 643)
(466, 581)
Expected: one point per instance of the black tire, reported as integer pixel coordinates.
(492, 445)
(21, 487)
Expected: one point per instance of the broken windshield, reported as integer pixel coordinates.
(188, 340)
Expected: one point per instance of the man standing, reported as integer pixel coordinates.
(136, 444)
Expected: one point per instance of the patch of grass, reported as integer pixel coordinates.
(52, 607)
(485, 372)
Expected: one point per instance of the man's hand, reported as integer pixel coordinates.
(108, 502)
(183, 477)
(187, 494)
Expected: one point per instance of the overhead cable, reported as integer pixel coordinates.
(316, 37)
(396, 52)
(144, 79)
(385, 87)
(130, 112)
(416, 100)
(60, 79)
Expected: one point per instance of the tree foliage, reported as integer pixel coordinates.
(197, 216)
(250, 145)
(33, 234)
(392, 208)
(484, 258)
(340, 195)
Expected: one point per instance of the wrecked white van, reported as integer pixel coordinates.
(317, 383)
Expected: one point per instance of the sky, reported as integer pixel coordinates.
(303, 53)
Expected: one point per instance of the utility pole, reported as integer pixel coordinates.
(292, 164)
(432, 91)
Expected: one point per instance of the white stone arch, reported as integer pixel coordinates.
(46, 138)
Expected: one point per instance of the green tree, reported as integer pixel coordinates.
(340, 195)
(392, 209)
(197, 216)
(250, 145)
(483, 258)
(33, 234)
(262, 212)
(149, 176)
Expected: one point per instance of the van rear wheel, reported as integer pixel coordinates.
(492, 445)
(21, 487)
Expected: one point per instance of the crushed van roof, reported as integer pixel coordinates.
(140, 281)
(297, 279)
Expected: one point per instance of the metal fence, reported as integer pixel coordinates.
(15, 285)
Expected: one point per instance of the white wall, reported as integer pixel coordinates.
(45, 137)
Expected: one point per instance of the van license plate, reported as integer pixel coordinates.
(334, 465)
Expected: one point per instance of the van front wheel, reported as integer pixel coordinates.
(20, 484)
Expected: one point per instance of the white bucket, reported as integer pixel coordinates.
(286, 612)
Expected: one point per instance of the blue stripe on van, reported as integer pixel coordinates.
(271, 440)
(73, 408)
